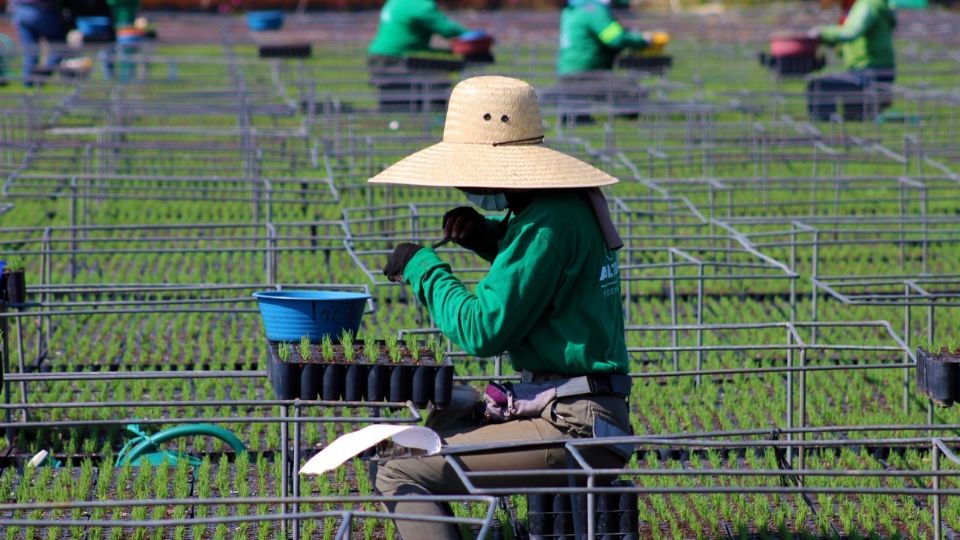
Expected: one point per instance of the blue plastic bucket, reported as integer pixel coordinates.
(93, 26)
(290, 315)
(264, 20)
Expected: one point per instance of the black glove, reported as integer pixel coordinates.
(399, 260)
(469, 229)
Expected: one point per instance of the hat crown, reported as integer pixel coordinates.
(493, 110)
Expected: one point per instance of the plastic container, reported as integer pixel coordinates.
(290, 315)
(472, 43)
(130, 36)
(93, 26)
(259, 21)
(793, 45)
(938, 376)
(16, 286)
(658, 42)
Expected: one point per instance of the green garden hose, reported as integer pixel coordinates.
(146, 446)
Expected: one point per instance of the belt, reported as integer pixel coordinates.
(606, 383)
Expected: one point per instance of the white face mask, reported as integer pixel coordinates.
(491, 202)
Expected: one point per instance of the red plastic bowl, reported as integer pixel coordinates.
(471, 47)
(793, 45)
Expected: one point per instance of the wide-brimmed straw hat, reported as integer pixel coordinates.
(493, 138)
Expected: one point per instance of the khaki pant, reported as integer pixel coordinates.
(564, 418)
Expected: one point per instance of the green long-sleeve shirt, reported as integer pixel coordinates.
(590, 38)
(551, 299)
(407, 26)
(866, 37)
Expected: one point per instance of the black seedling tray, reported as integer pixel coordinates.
(792, 66)
(286, 50)
(415, 63)
(649, 64)
(423, 383)
(479, 59)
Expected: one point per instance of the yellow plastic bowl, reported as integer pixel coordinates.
(658, 42)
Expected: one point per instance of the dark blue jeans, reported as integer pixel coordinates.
(861, 93)
(34, 23)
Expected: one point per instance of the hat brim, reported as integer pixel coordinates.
(531, 166)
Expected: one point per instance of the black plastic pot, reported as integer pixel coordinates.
(286, 380)
(401, 383)
(424, 381)
(378, 382)
(608, 513)
(333, 377)
(921, 371)
(16, 287)
(311, 377)
(540, 515)
(562, 516)
(355, 382)
(629, 515)
(443, 386)
(938, 376)
(539, 503)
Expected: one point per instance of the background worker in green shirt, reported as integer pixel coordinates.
(591, 37)
(551, 299)
(865, 40)
(406, 26)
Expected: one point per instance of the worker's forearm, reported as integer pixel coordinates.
(632, 40)
(439, 23)
(614, 36)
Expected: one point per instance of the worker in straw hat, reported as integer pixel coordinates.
(551, 299)
(865, 40)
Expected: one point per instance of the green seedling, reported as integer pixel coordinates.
(326, 347)
(435, 344)
(390, 341)
(414, 348)
(370, 348)
(283, 351)
(950, 346)
(346, 341)
(304, 348)
(16, 264)
(394, 350)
